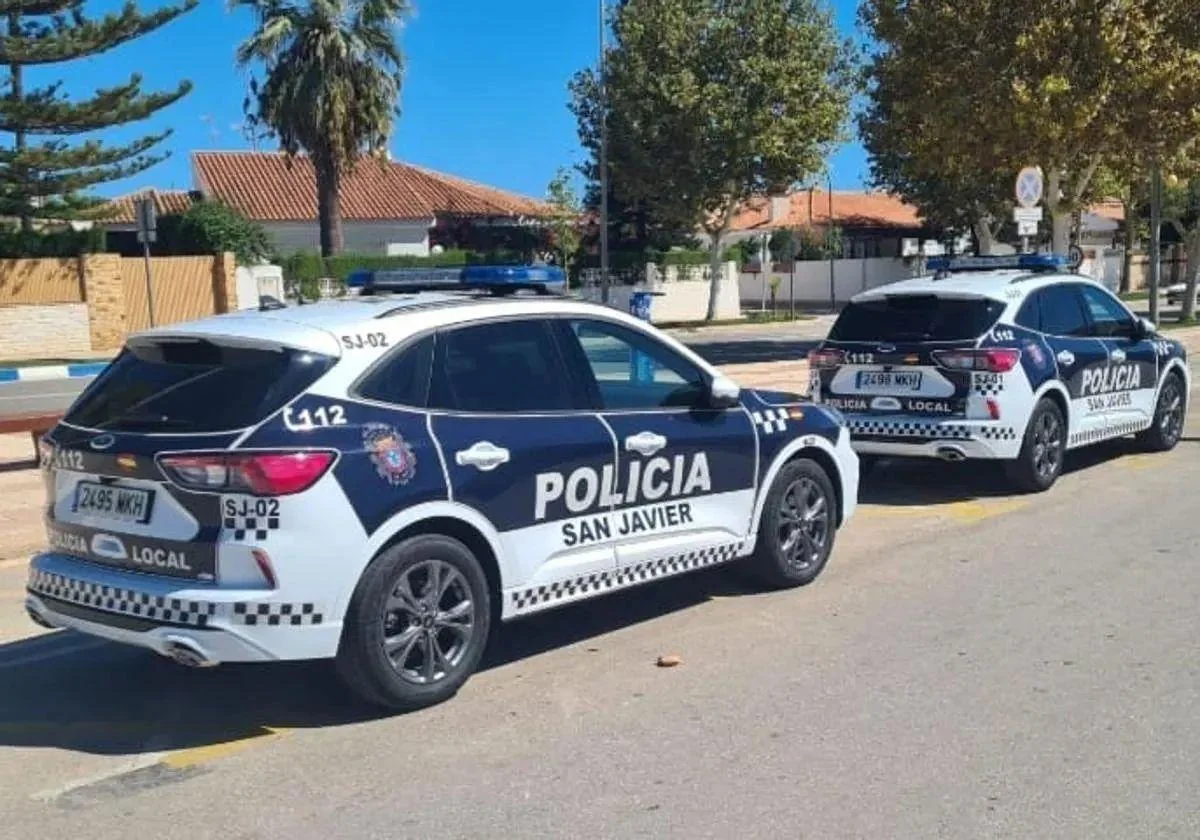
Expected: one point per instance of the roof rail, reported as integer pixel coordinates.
(1033, 263)
(492, 279)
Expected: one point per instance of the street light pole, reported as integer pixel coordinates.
(604, 280)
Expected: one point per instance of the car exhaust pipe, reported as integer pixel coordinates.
(951, 453)
(188, 653)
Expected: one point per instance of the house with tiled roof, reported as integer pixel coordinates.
(387, 207)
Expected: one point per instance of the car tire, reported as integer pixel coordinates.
(797, 528)
(402, 648)
(1043, 450)
(1170, 412)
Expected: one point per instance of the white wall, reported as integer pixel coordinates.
(254, 281)
(812, 281)
(676, 299)
(393, 238)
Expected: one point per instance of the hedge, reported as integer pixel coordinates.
(307, 267)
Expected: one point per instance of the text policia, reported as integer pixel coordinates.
(586, 490)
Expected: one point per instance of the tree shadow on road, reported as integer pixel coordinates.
(746, 352)
(918, 482)
(69, 691)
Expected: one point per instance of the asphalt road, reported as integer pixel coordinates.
(39, 396)
(971, 665)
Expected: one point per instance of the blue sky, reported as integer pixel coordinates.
(484, 93)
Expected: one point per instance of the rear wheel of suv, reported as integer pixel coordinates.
(1168, 416)
(417, 625)
(797, 528)
(1040, 462)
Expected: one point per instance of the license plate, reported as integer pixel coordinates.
(107, 501)
(869, 380)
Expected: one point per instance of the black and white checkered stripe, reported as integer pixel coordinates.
(538, 597)
(997, 432)
(1115, 431)
(275, 614)
(770, 419)
(931, 429)
(115, 599)
(243, 526)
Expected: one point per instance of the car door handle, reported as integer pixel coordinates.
(483, 455)
(1065, 357)
(645, 443)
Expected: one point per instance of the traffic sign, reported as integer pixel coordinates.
(1027, 214)
(1029, 186)
(1026, 228)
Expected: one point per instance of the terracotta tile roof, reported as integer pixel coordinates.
(264, 187)
(850, 209)
(857, 209)
(120, 211)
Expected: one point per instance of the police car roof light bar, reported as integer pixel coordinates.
(1024, 262)
(495, 279)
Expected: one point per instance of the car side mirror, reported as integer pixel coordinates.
(1143, 328)
(723, 392)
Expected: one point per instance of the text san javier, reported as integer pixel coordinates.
(585, 490)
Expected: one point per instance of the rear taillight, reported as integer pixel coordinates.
(259, 473)
(992, 360)
(825, 358)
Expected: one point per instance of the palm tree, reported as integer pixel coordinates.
(330, 86)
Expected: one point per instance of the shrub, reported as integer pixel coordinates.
(210, 227)
(17, 244)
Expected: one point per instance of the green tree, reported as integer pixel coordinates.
(564, 223)
(718, 102)
(46, 179)
(331, 73)
(970, 91)
(211, 227)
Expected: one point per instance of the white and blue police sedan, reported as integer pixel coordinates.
(1006, 358)
(380, 479)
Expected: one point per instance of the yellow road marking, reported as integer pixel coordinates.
(194, 756)
(967, 511)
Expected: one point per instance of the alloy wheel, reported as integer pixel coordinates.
(428, 622)
(803, 523)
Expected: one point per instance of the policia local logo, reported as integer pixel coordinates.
(586, 489)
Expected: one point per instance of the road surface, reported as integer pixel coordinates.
(971, 664)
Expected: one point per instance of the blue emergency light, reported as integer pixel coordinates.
(1023, 262)
(497, 279)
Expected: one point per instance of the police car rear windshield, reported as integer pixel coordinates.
(194, 386)
(916, 318)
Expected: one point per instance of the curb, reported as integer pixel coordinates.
(45, 372)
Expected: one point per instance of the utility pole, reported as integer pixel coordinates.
(829, 240)
(604, 279)
(1155, 237)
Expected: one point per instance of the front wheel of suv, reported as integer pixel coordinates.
(417, 625)
(1043, 450)
(797, 527)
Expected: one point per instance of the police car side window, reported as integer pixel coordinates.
(401, 378)
(1030, 315)
(1109, 318)
(633, 371)
(501, 366)
(1062, 312)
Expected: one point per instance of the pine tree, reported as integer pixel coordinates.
(46, 179)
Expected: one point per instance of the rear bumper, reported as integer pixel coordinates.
(921, 437)
(219, 625)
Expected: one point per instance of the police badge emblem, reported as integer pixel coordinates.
(390, 453)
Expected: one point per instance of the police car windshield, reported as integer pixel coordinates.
(194, 386)
(916, 318)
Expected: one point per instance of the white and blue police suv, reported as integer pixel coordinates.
(1007, 358)
(382, 478)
